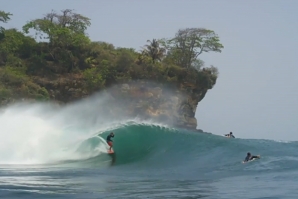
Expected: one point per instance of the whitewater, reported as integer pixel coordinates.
(59, 151)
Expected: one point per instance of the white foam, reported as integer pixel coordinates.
(39, 133)
(34, 134)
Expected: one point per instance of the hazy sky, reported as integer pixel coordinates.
(256, 94)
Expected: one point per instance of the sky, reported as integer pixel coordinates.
(256, 93)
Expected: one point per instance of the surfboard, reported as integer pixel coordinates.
(227, 136)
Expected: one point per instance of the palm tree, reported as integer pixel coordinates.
(154, 51)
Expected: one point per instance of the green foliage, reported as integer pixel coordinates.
(106, 69)
(207, 77)
(4, 17)
(212, 70)
(13, 76)
(37, 65)
(125, 59)
(14, 61)
(42, 94)
(101, 50)
(15, 82)
(197, 64)
(34, 91)
(93, 78)
(154, 51)
(62, 46)
(16, 45)
(54, 24)
(12, 42)
(143, 59)
(66, 35)
(189, 43)
(5, 93)
(28, 48)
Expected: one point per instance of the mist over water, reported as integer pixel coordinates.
(34, 133)
(38, 133)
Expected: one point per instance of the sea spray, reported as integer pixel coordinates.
(34, 133)
(31, 134)
(37, 133)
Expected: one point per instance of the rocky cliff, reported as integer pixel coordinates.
(170, 100)
(173, 103)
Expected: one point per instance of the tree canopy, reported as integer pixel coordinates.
(4, 17)
(66, 35)
(61, 47)
(189, 43)
(53, 24)
(154, 51)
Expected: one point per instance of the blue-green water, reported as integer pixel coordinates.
(53, 152)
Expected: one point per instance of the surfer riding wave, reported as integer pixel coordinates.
(110, 141)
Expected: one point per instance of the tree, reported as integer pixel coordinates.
(53, 22)
(189, 43)
(12, 41)
(13, 45)
(4, 17)
(154, 51)
(66, 35)
(197, 64)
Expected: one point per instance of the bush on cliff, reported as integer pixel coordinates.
(15, 83)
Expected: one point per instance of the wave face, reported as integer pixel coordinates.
(75, 135)
(157, 147)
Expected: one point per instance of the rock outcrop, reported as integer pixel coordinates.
(173, 103)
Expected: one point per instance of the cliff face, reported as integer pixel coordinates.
(171, 103)
(162, 103)
(171, 99)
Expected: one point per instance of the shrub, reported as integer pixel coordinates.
(93, 78)
(14, 76)
(5, 93)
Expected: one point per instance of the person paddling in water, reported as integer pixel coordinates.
(110, 141)
(250, 157)
(230, 135)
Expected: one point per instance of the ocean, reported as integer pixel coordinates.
(48, 152)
